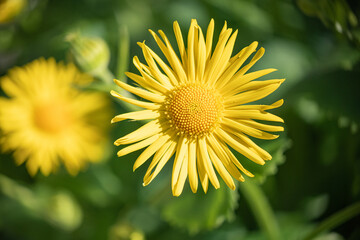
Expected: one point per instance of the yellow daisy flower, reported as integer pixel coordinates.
(199, 103)
(48, 119)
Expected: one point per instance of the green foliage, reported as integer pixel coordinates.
(314, 174)
(196, 212)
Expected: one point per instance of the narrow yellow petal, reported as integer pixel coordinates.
(252, 95)
(193, 178)
(200, 58)
(147, 105)
(145, 131)
(149, 151)
(221, 169)
(225, 158)
(240, 147)
(215, 59)
(256, 58)
(190, 53)
(253, 132)
(209, 38)
(276, 104)
(182, 148)
(256, 85)
(138, 115)
(261, 126)
(141, 92)
(172, 57)
(147, 81)
(235, 64)
(223, 61)
(153, 68)
(207, 163)
(137, 146)
(159, 160)
(229, 88)
(180, 41)
(167, 70)
(179, 186)
(204, 178)
(252, 114)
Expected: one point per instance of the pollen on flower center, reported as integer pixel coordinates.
(51, 118)
(193, 110)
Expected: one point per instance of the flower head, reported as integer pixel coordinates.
(199, 106)
(48, 119)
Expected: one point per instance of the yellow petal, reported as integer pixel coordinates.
(137, 146)
(225, 158)
(141, 92)
(190, 53)
(159, 161)
(138, 115)
(256, 85)
(147, 105)
(170, 56)
(182, 148)
(149, 151)
(258, 107)
(167, 70)
(235, 65)
(223, 62)
(252, 114)
(239, 127)
(216, 57)
(180, 41)
(252, 95)
(261, 126)
(207, 163)
(179, 186)
(200, 58)
(147, 81)
(232, 142)
(193, 178)
(209, 38)
(145, 131)
(204, 178)
(229, 88)
(221, 169)
(153, 68)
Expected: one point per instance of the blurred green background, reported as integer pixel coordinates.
(315, 171)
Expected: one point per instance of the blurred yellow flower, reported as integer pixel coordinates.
(199, 103)
(10, 9)
(48, 119)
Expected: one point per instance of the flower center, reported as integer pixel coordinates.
(193, 110)
(51, 118)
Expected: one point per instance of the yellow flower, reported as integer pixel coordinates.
(48, 119)
(199, 103)
(10, 9)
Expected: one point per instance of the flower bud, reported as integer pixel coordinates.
(91, 55)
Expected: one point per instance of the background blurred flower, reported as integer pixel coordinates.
(199, 108)
(49, 119)
(9, 9)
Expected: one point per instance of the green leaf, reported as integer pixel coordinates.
(196, 212)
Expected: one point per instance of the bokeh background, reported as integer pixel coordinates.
(315, 171)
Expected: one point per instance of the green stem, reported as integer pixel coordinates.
(335, 220)
(261, 209)
(123, 53)
(105, 76)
